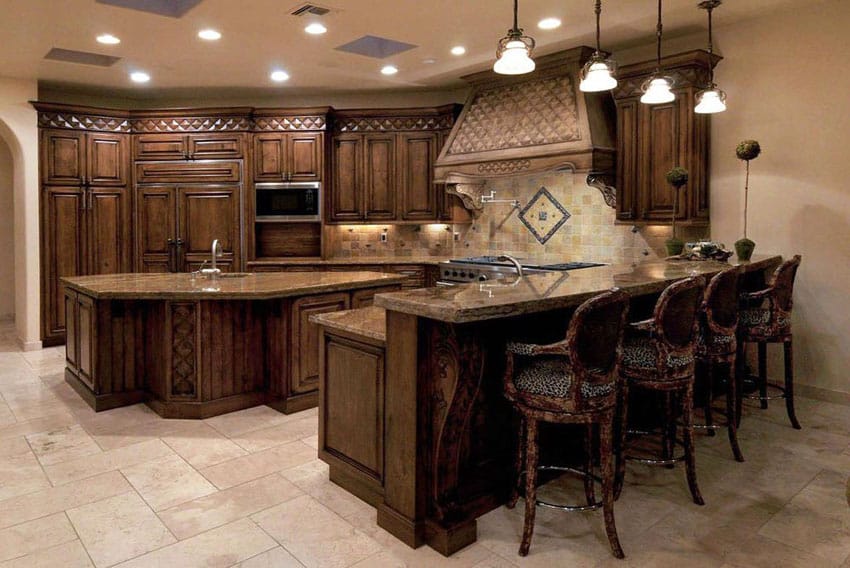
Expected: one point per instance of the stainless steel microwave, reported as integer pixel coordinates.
(295, 201)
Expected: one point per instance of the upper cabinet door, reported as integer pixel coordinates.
(215, 146)
(380, 177)
(304, 156)
(161, 147)
(346, 188)
(659, 144)
(418, 192)
(628, 164)
(107, 159)
(63, 157)
(269, 161)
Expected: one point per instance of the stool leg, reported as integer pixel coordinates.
(789, 384)
(514, 497)
(738, 369)
(606, 459)
(588, 464)
(668, 436)
(731, 405)
(763, 373)
(530, 485)
(690, 454)
(622, 420)
(709, 395)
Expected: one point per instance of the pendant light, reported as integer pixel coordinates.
(656, 89)
(513, 55)
(711, 100)
(599, 73)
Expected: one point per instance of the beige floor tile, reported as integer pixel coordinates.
(67, 555)
(260, 464)
(36, 535)
(315, 535)
(242, 421)
(56, 421)
(218, 548)
(136, 432)
(55, 499)
(117, 419)
(312, 441)
(7, 417)
(88, 466)
(760, 552)
(20, 472)
(312, 478)
(204, 447)
(816, 520)
(275, 558)
(495, 561)
(119, 528)
(258, 440)
(167, 482)
(199, 515)
(61, 445)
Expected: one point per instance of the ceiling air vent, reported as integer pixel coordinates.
(81, 57)
(169, 8)
(310, 10)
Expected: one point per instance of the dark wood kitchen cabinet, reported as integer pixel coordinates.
(288, 156)
(175, 227)
(652, 139)
(179, 146)
(81, 158)
(364, 178)
(417, 154)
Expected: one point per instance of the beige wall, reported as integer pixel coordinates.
(7, 237)
(18, 128)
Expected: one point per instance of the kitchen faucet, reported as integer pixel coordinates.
(216, 252)
(513, 261)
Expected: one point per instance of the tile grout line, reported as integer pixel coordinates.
(280, 544)
(74, 528)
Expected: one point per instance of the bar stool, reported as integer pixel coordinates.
(573, 381)
(717, 346)
(659, 355)
(769, 321)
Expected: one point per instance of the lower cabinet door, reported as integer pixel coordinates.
(62, 238)
(207, 213)
(366, 298)
(108, 230)
(304, 347)
(72, 343)
(85, 337)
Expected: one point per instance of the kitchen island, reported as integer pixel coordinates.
(442, 454)
(192, 346)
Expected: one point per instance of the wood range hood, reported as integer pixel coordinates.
(520, 125)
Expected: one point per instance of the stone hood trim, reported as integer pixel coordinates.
(527, 124)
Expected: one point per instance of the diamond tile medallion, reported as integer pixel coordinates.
(543, 215)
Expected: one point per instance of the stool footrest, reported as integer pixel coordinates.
(580, 473)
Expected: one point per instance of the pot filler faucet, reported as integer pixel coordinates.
(215, 253)
(512, 260)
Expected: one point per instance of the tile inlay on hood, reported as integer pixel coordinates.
(543, 215)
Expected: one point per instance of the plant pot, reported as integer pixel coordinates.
(744, 249)
(674, 246)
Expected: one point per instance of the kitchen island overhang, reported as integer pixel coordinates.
(448, 431)
(196, 347)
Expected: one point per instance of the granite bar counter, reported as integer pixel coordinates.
(194, 347)
(447, 440)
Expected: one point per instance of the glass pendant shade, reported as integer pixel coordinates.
(657, 90)
(598, 74)
(514, 56)
(710, 101)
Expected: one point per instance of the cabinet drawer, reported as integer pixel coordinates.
(160, 147)
(215, 146)
(191, 172)
(415, 275)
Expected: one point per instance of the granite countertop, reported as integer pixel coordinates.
(369, 322)
(543, 292)
(380, 260)
(245, 286)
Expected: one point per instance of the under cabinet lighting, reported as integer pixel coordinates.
(108, 39)
(139, 77)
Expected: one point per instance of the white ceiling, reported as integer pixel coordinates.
(259, 35)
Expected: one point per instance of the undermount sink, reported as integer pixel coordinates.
(234, 274)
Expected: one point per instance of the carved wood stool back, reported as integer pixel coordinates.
(765, 317)
(717, 346)
(659, 355)
(574, 381)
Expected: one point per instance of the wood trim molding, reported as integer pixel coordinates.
(75, 121)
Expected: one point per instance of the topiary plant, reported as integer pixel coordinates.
(677, 177)
(746, 150)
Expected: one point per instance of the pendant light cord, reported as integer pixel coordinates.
(598, 12)
(658, 31)
(516, 18)
(710, 48)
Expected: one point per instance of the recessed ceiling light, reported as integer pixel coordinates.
(315, 28)
(209, 34)
(389, 70)
(458, 50)
(549, 23)
(279, 76)
(140, 77)
(108, 39)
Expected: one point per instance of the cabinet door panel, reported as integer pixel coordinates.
(627, 160)
(192, 172)
(661, 147)
(418, 193)
(63, 156)
(206, 214)
(304, 153)
(156, 215)
(304, 373)
(62, 246)
(346, 198)
(107, 159)
(160, 147)
(108, 231)
(86, 338)
(380, 177)
(215, 146)
(72, 343)
(269, 157)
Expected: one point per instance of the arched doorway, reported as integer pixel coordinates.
(7, 237)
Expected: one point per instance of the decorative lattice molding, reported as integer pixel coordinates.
(392, 123)
(290, 123)
(192, 124)
(77, 121)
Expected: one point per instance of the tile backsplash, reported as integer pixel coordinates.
(589, 232)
